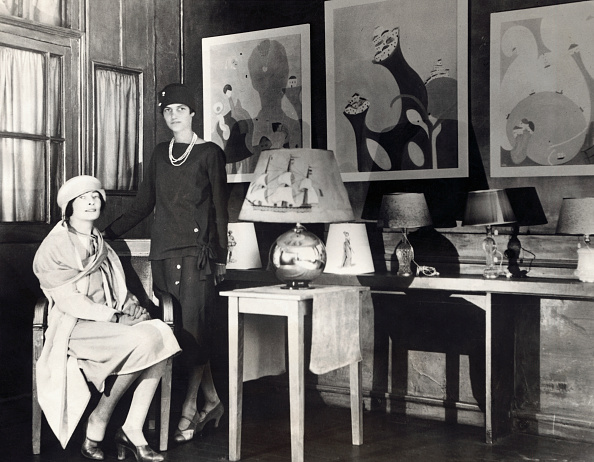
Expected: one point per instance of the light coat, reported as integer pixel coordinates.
(63, 392)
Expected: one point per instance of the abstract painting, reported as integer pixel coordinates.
(257, 94)
(542, 91)
(397, 90)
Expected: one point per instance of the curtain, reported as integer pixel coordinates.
(116, 129)
(43, 11)
(22, 162)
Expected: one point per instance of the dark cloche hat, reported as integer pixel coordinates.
(176, 93)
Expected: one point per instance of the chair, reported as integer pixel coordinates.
(165, 303)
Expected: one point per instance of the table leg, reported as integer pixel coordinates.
(488, 372)
(235, 378)
(295, 329)
(356, 403)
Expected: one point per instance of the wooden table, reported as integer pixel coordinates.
(294, 305)
(498, 334)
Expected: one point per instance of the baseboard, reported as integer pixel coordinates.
(553, 425)
(414, 406)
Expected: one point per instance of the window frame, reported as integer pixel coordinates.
(92, 162)
(69, 45)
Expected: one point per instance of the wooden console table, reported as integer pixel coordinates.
(294, 305)
(499, 336)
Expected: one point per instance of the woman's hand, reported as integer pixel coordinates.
(136, 312)
(220, 272)
(128, 320)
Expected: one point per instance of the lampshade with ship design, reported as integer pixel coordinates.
(297, 186)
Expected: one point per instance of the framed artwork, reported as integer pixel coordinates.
(257, 94)
(542, 91)
(397, 88)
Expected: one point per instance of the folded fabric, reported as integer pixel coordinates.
(335, 339)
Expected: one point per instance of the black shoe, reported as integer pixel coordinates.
(141, 453)
(91, 450)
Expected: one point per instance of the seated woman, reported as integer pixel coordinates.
(97, 331)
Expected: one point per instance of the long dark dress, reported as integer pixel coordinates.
(188, 233)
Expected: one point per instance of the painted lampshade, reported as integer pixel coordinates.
(577, 217)
(347, 246)
(297, 186)
(242, 247)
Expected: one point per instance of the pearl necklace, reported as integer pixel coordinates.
(180, 160)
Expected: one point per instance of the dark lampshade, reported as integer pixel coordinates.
(404, 211)
(488, 207)
(526, 206)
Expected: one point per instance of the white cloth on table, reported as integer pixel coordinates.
(335, 339)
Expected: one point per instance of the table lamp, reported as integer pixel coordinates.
(528, 211)
(242, 247)
(487, 208)
(404, 211)
(347, 246)
(297, 186)
(577, 217)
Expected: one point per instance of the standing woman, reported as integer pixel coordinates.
(97, 331)
(186, 188)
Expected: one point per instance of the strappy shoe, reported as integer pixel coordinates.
(185, 435)
(214, 414)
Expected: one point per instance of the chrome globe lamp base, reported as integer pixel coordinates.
(297, 257)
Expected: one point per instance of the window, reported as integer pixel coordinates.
(42, 11)
(38, 124)
(117, 126)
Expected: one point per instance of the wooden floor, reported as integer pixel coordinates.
(266, 437)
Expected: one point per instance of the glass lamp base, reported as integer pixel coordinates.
(405, 255)
(491, 272)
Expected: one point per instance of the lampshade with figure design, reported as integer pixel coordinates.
(297, 186)
(348, 249)
(242, 247)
